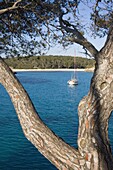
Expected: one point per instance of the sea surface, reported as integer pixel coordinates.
(56, 102)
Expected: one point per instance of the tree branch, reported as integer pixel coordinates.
(77, 36)
(51, 146)
(14, 6)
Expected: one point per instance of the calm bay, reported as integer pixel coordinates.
(56, 102)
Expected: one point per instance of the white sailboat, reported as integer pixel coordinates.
(73, 80)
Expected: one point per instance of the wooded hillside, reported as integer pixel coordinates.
(44, 62)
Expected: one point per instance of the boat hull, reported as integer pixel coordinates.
(72, 82)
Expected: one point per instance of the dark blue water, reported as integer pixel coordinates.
(56, 103)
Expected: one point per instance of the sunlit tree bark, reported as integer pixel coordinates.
(94, 110)
(51, 146)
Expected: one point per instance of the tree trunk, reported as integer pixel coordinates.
(51, 146)
(94, 110)
(94, 113)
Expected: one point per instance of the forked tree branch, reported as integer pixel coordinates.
(13, 7)
(51, 146)
(77, 36)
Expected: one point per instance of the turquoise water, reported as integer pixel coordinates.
(56, 103)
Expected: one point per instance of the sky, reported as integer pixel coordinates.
(76, 50)
(71, 50)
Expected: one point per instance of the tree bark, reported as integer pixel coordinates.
(94, 110)
(13, 7)
(51, 146)
(77, 37)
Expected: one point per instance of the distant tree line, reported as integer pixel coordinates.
(44, 62)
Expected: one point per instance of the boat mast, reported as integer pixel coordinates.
(75, 65)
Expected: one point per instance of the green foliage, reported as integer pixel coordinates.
(32, 27)
(44, 62)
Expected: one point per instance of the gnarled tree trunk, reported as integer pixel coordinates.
(94, 110)
(51, 146)
(94, 113)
